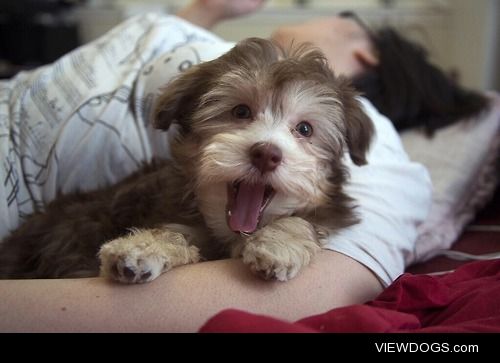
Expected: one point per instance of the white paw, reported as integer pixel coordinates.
(269, 264)
(279, 250)
(132, 263)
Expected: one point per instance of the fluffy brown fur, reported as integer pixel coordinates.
(257, 172)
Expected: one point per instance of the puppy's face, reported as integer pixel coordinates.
(263, 132)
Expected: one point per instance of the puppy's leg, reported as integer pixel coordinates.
(280, 249)
(144, 254)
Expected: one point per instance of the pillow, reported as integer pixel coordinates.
(462, 160)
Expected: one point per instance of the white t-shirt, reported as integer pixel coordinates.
(393, 195)
(78, 124)
(83, 122)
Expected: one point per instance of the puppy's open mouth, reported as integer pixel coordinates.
(245, 205)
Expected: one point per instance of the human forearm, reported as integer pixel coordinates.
(207, 13)
(196, 14)
(182, 299)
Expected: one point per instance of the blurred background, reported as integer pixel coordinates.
(462, 36)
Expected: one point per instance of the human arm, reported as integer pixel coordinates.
(182, 299)
(207, 13)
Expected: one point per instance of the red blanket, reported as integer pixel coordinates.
(466, 300)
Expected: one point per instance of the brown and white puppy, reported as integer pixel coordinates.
(257, 172)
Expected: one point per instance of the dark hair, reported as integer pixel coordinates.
(412, 92)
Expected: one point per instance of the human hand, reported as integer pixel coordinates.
(226, 9)
(208, 13)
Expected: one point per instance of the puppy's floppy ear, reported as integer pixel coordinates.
(359, 127)
(181, 97)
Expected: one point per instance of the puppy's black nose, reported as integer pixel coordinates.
(265, 157)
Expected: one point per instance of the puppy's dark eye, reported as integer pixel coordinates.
(242, 111)
(304, 128)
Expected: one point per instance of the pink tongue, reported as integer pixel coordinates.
(244, 213)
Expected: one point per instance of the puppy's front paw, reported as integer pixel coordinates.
(143, 256)
(270, 264)
(131, 264)
(279, 250)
